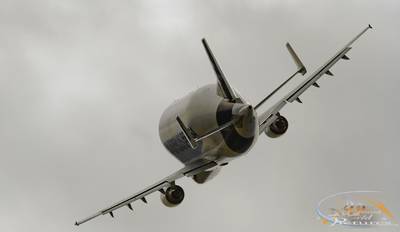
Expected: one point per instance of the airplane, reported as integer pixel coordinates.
(214, 125)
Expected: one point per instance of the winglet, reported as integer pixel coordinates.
(369, 26)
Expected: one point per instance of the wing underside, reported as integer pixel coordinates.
(266, 118)
(189, 171)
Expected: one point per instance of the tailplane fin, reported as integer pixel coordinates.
(224, 85)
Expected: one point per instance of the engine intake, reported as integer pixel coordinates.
(173, 196)
(277, 128)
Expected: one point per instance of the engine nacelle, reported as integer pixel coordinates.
(277, 128)
(173, 196)
(205, 176)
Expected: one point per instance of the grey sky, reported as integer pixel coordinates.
(83, 84)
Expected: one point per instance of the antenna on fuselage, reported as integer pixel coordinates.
(224, 85)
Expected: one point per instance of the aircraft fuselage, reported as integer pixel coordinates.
(202, 111)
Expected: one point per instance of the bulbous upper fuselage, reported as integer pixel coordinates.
(204, 110)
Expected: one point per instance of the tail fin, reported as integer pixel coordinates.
(228, 91)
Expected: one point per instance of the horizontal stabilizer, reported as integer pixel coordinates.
(186, 133)
(300, 69)
(192, 137)
(300, 66)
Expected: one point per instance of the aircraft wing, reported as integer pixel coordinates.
(266, 118)
(189, 170)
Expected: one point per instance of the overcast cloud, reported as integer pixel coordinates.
(83, 84)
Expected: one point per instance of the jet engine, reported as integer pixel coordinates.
(205, 176)
(173, 196)
(277, 128)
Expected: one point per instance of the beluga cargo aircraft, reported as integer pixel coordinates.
(214, 125)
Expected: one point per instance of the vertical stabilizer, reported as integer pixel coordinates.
(228, 91)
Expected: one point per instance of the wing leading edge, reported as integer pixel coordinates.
(189, 170)
(266, 118)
